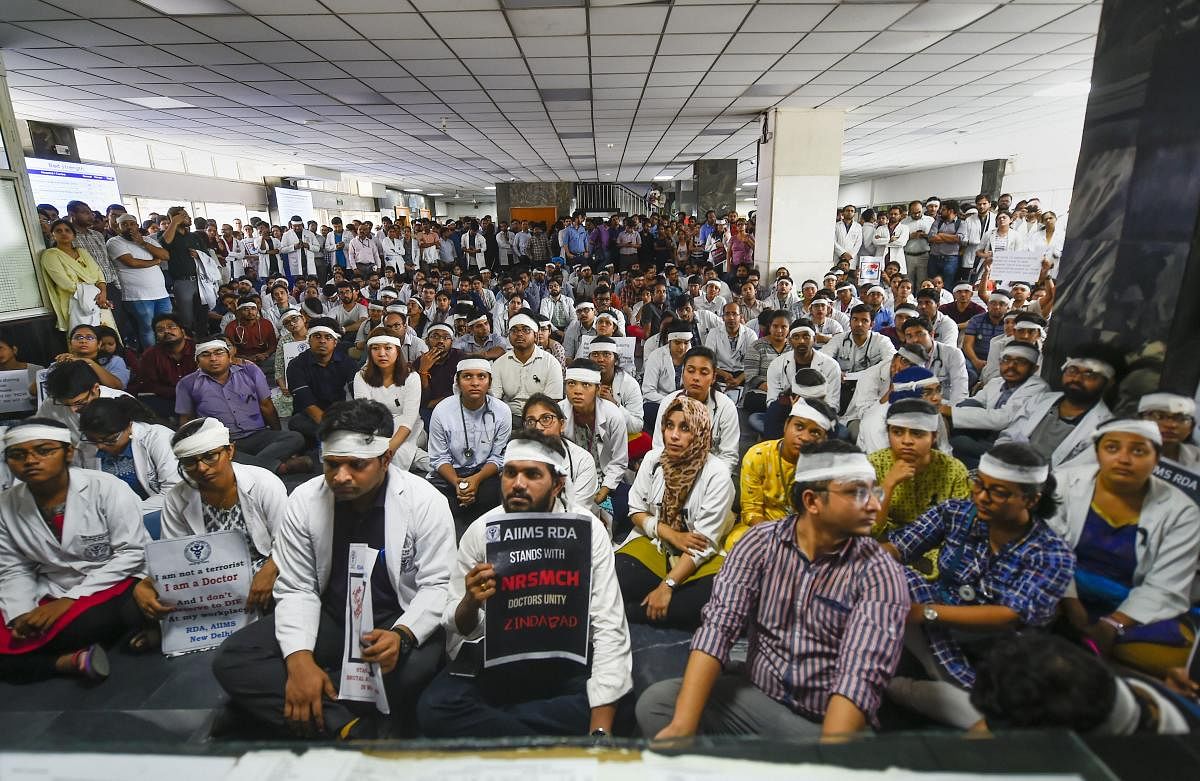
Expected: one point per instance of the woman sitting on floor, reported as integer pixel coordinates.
(680, 509)
(1136, 539)
(218, 495)
(1000, 568)
(72, 545)
(768, 467)
(388, 379)
(698, 383)
(131, 445)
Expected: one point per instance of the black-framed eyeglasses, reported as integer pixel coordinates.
(208, 459)
(1160, 416)
(541, 420)
(38, 453)
(111, 439)
(994, 491)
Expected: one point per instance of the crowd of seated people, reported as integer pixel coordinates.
(870, 485)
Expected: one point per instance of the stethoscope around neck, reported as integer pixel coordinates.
(468, 449)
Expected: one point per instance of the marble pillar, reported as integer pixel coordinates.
(511, 195)
(1130, 266)
(714, 183)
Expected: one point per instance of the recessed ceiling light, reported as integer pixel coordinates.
(749, 184)
(436, 195)
(490, 187)
(155, 101)
(663, 178)
(412, 190)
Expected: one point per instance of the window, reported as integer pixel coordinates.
(128, 151)
(92, 146)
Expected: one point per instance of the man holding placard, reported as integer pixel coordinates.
(533, 679)
(364, 556)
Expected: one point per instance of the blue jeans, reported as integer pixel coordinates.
(143, 313)
(945, 266)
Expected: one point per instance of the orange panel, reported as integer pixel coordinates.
(546, 214)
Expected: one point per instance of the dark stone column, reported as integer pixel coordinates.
(993, 178)
(1131, 263)
(715, 185)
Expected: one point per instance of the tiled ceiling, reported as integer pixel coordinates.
(620, 90)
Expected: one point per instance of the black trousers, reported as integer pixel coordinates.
(486, 498)
(251, 669)
(686, 603)
(105, 624)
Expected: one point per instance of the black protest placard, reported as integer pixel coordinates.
(543, 564)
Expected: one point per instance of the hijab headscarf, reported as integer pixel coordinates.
(679, 474)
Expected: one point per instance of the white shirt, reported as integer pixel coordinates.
(847, 240)
(731, 351)
(658, 375)
(917, 246)
(890, 243)
(612, 657)
(781, 373)
(514, 382)
(137, 284)
(628, 396)
(404, 402)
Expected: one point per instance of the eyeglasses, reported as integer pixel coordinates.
(1160, 416)
(1086, 374)
(83, 338)
(208, 459)
(995, 492)
(861, 494)
(111, 439)
(37, 453)
(77, 404)
(541, 420)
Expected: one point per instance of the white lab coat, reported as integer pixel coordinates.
(1168, 542)
(984, 412)
(889, 244)
(263, 259)
(853, 358)
(708, 507)
(847, 240)
(419, 533)
(291, 253)
(949, 365)
(261, 495)
(726, 429)
(103, 543)
(479, 243)
(628, 396)
(869, 389)
(613, 441)
(781, 375)
(153, 461)
(658, 374)
(612, 655)
(1076, 448)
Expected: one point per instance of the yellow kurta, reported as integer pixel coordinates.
(63, 274)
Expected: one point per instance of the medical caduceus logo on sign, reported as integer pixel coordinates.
(197, 552)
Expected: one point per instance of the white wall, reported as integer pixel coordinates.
(955, 180)
(464, 209)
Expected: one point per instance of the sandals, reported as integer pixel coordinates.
(91, 663)
(146, 640)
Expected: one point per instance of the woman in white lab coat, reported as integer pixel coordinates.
(388, 379)
(132, 447)
(72, 546)
(218, 495)
(1136, 540)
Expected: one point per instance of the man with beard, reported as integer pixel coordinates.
(163, 365)
(538, 697)
(781, 374)
(1059, 425)
(979, 419)
(137, 265)
(278, 668)
(318, 377)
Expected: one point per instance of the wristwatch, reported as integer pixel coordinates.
(463, 485)
(670, 583)
(599, 732)
(406, 644)
(930, 613)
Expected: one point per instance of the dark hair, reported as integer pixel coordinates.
(362, 416)
(914, 321)
(1021, 454)
(68, 380)
(860, 309)
(1107, 353)
(583, 363)
(328, 322)
(825, 446)
(39, 421)
(108, 416)
(701, 352)
(174, 318)
(56, 223)
(1041, 681)
(373, 375)
(541, 399)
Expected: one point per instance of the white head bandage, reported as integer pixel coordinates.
(211, 435)
(375, 307)
(818, 467)
(583, 375)
(712, 282)
(999, 295)
(1147, 429)
(1171, 403)
(1029, 325)
(828, 277)
(820, 302)
(607, 315)
(287, 314)
(917, 421)
(247, 305)
(351, 444)
(389, 291)
(963, 287)
(477, 320)
(22, 434)
(845, 286)
(211, 344)
(386, 339)
(1022, 475)
(915, 385)
(1021, 285)
(911, 356)
(907, 309)
(598, 346)
(1087, 364)
(801, 409)
(1021, 350)
(524, 320)
(474, 365)
(396, 309)
(323, 329)
(439, 327)
(802, 329)
(679, 336)
(876, 289)
(584, 305)
(528, 450)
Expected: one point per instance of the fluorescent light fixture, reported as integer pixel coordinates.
(490, 187)
(192, 7)
(1068, 90)
(663, 178)
(436, 195)
(156, 101)
(412, 190)
(749, 184)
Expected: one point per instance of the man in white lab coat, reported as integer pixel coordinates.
(72, 546)
(536, 697)
(299, 247)
(399, 527)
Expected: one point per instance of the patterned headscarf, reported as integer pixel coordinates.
(679, 474)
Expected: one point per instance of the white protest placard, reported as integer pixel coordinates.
(869, 269)
(1016, 266)
(206, 579)
(625, 347)
(291, 350)
(361, 681)
(14, 391)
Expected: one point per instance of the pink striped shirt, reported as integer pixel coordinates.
(819, 628)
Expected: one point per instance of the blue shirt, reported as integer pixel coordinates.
(454, 429)
(984, 330)
(1028, 575)
(577, 239)
(884, 318)
(122, 466)
(237, 403)
(340, 254)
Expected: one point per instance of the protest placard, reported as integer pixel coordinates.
(14, 391)
(1010, 266)
(543, 564)
(1184, 480)
(206, 579)
(869, 270)
(625, 347)
(291, 350)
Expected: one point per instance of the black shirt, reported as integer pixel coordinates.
(315, 385)
(350, 527)
(180, 263)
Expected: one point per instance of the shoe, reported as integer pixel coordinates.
(296, 465)
(92, 663)
(361, 728)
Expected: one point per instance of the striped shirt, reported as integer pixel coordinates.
(1028, 575)
(816, 628)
